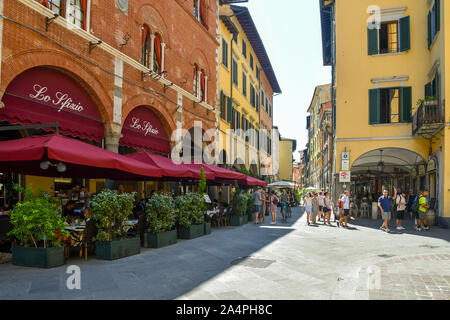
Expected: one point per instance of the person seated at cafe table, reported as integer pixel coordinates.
(69, 211)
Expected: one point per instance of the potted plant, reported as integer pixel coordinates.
(110, 211)
(37, 227)
(239, 205)
(201, 191)
(250, 210)
(161, 219)
(190, 210)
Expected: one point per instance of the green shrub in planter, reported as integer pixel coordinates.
(161, 220)
(250, 203)
(190, 209)
(34, 219)
(239, 204)
(110, 211)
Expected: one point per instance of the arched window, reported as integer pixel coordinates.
(157, 57)
(202, 85)
(194, 91)
(146, 45)
(200, 12)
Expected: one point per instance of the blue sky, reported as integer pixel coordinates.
(290, 30)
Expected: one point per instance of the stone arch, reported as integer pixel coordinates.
(153, 103)
(150, 15)
(198, 57)
(17, 64)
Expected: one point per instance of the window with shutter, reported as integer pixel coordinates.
(235, 72)
(244, 49)
(257, 101)
(244, 84)
(225, 53)
(372, 35)
(406, 103)
(374, 106)
(222, 105)
(229, 112)
(405, 36)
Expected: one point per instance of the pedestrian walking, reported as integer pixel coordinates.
(257, 202)
(401, 207)
(411, 198)
(315, 207)
(327, 208)
(284, 203)
(262, 215)
(290, 203)
(346, 207)
(422, 211)
(321, 198)
(274, 200)
(340, 211)
(384, 203)
(307, 203)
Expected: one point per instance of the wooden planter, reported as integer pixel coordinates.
(38, 257)
(207, 228)
(161, 239)
(117, 249)
(237, 221)
(194, 231)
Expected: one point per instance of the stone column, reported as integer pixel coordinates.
(152, 51)
(163, 48)
(112, 138)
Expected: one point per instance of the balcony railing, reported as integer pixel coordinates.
(428, 119)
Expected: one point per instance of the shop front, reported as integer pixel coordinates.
(41, 96)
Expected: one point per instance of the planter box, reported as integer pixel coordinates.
(194, 231)
(158, 240)
(117, 249)
(237, 221)
(207, 228)
(38, 257)
(251, 217)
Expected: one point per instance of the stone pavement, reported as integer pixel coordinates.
(285, 261)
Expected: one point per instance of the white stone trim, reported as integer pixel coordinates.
(152, 51)
(392, 14)
(163, 50)
(376, 138)
(118, 83)
(36, 6)
(393, 79)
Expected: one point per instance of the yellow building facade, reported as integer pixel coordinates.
(244, 136)
(389, 64)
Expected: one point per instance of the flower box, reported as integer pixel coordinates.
(237, 221)
(161, 239)
(38, 257)
(117, 249)
(194, 231)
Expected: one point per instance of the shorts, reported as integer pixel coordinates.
(325, 209)
(320, 208)
(308, 208)
(401, 214)
(422, 215)
(257, 208)
(386, 215)
(346, 212)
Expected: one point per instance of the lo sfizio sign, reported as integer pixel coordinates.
(344, 176)
(145, 126)
(60, 100)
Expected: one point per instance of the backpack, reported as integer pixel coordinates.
(275, 200)
(415, 205)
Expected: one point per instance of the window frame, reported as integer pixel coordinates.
(225, 57)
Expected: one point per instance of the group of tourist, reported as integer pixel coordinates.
(318, 205)
(265, 200)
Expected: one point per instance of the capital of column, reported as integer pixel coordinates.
(112, 138)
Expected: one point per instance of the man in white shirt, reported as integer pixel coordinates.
(401, 207)
(321, 204)
(346, 207)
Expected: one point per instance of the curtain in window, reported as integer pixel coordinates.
(45, 3)
(203, 13)
(202, 83)
(84, 9)
(145, 32)
(195, 80)
(158, 51)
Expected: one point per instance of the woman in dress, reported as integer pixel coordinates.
(307, 202)
(315, 207)
(274, 200)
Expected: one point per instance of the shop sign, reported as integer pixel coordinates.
(345, 155)
(344, 176)
(345, 165)
(144, 126)
(431, 165)
(421, 169)
(60, 100)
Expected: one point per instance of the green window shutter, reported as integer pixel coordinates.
(429, 30)
(222, 104)
(257, 102)
(406, 103)
(372, 40)
(229, 112)
(374, 106)
(238, 120)
(405, 35)
(233, 118)
(428, 90)
(437, 3)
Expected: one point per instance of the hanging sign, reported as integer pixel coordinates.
(345, 155)
(431, 165)
(345, 165)
(344, 176)
(421, 169)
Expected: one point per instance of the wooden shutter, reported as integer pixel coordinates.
(429, 30)
(257, 102)
(374, 106)
(405, 34)
(224, 53)
(229, 112)
(406, 103)
(372, 40)
(238, 120)
(428, 90)
(437, 4)
(222, 105)
(233, 119)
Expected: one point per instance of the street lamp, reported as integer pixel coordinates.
(380, 165)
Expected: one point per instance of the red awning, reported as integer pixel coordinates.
(170, 168)
(250, 181)
(42, 95)
(82, 160)
(142, 129)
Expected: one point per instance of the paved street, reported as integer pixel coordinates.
(286, 261)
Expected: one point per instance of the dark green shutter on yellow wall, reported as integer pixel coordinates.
(374, 106)
(429, 30)
(229, 114)
(437, 3)
(428, 90)
(372, 39)
(406, 103)
(222, 105)
(405, 36)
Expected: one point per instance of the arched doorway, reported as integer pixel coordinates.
(386, 168)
